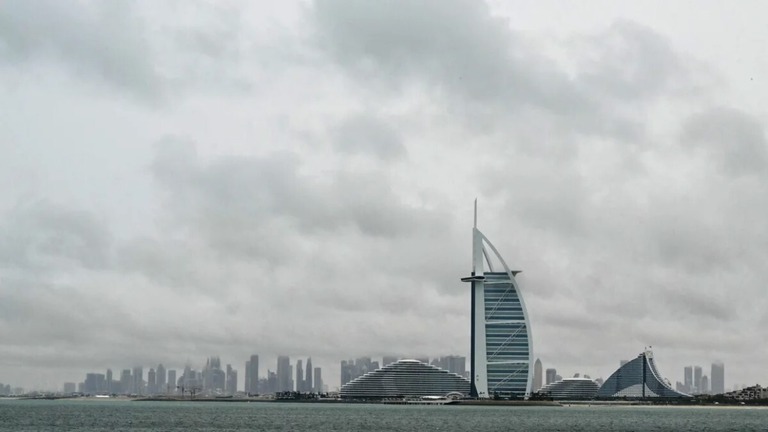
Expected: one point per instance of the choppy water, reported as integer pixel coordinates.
(115, 416)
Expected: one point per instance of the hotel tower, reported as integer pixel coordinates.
(501, 352)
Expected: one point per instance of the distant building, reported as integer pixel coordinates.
(299, 376)
(161, 379)
(697, 380)
(307, 385)
(69, 388)
(126, 382)
(95, 383)
(537, 376)
(138, 380)
(109, 388)
(755, 392)
(252, 376)
(688, 379)
(231, 381)
(318, 384)
(551, 376)
(284, 372)
(405, 378)
(717, 378)
(704, 385)
(638, 379)
(151, 389)
(571, 388)
(172, 381)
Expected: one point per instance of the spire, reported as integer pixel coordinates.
(475, 212)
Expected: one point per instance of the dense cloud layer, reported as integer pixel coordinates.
(182, 181)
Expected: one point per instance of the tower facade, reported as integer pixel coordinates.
(501, 352)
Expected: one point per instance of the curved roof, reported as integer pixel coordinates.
(405, 378)
(639, 378)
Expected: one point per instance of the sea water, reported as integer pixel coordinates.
(123, 415)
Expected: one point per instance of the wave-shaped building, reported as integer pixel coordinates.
(639, 378)
(571, 389)
(405, 378)
(501, 352)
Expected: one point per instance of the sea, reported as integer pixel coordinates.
(124, 415)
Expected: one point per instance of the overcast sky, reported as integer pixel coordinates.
(182, 179)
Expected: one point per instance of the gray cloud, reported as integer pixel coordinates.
(734, 139)
(368, 135)
(102, 40)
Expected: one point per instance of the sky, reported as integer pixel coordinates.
(183, 179)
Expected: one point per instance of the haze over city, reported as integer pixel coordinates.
(180, 180)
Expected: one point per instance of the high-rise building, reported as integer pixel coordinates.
(252, 376)
(161, 379)
(318, 384)
(231, 384)
(717, 378)
(151, 389)
(299, 376)
(688, 378)
(171, 386)
(307, 386)
(138, 380)
(109, 381)
(501, 355)
(284, 381)
(697, 378)
(537, 375)
(704, 385)
(69, 388)
(126, 382)
(551, 376)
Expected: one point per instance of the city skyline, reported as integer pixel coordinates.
(179, 180)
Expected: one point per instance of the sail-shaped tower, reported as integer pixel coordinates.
(501, 352)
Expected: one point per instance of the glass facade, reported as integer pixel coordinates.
(405, 378)
(506, 337)
(639, 378)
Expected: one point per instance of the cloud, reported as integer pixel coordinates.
(368, 135)
(101, 40)
(735, 140)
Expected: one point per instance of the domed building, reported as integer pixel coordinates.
(639, 378)
(405, 378)
(570, 389)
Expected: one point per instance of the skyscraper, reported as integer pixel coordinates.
(537, 375)
(126, 382)
(160, 379)
(151, 382)
(138, 380)
(717, 378)
(231, 381)
(307, 387)
(551, 376)
(501, 354)
(109, 381)
(253, 375)
(704, 385)
(318, 385)
(697, 378)
(688, 378)
(284, 374)
(299, 376)
(171, 387)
